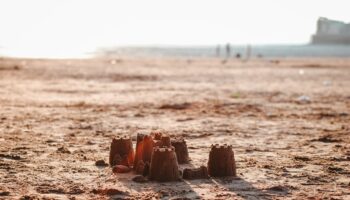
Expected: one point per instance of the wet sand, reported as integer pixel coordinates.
(288, 122)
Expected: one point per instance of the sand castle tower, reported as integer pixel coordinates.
(144, 150)
(221, 161)
(164, 166)
(181, 150)
(121, 152)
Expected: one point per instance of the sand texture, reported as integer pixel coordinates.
(288, 122)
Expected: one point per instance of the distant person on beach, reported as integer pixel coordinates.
(218, 51)
(228, 50)
(248, 52)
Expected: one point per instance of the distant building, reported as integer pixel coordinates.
(331, 32)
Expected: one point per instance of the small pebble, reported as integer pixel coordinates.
(63, 150)
(4, 193)
(101, 163)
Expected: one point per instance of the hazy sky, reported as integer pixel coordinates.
(64, 27)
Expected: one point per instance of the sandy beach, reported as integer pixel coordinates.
(287, 120)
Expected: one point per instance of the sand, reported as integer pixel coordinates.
(287, 120)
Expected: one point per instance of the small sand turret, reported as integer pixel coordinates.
(181, 150)
(196, 173)
(221, 161)
(164, 166)
(144, 149)
(121, 152)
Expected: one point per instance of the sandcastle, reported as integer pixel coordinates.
(146, 144)
(144, 150)
(181, 150)
(196, 173)
(164, 166)
(158, 156)
(121, 152)
(221, 161)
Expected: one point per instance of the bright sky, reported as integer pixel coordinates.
(70, 27)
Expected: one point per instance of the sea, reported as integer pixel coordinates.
(243, 51)
(267, 51)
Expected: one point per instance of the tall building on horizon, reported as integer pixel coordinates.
(331, 32)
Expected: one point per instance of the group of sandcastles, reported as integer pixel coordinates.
(158, 157)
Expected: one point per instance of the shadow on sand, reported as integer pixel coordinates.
(213, 188)
(246, 190)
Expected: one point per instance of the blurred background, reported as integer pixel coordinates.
(80, 28)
